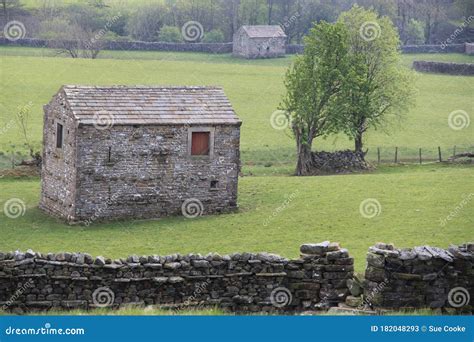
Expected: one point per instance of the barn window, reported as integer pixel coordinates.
(200, 144)
(59, 135)
(201, 141)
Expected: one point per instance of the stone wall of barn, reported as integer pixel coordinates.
(240, 44)
(240, 282)
(147, 172)
(58, 172)
(420, 277)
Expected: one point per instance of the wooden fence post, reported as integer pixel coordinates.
(378, 155)
(396, 154)
(420, 156)
(439, 154)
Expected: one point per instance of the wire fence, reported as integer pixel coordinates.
(379, 155)
(396, 154)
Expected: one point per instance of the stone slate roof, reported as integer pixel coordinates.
(264, 31)
(135, 105)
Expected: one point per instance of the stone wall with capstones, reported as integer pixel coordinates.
(463, 69)
(420, 277)
(246, 282)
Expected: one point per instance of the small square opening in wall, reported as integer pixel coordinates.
(214, 184)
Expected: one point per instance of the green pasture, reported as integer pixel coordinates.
(30, 77)
(277, 214)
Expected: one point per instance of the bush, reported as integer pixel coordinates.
(213, 36)
(170, 34)
(415, 33)
(145, 23)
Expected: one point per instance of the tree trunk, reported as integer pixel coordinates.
(358, 142)
(270, 9)
(304, 163)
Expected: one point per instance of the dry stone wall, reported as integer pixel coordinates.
(465, 69)
(130, 45)
(420, 277)
(218, 47)
(442, 48)
(247, 282)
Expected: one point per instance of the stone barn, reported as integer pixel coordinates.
(139, 152)
(259, 41)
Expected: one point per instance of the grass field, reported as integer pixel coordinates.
(320, 208)
(413, 198)
(254, 88)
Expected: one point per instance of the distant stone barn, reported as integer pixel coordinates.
(259, 41)
(139, 152)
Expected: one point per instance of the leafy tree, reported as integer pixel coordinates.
(63, 36)
(170, 34)
(312, 84)
(376, 86)
(146, 22)
(414, 32)
(213, 36)
(9, 8)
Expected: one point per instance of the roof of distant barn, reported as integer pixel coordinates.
(150, 105)
(264, 31)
